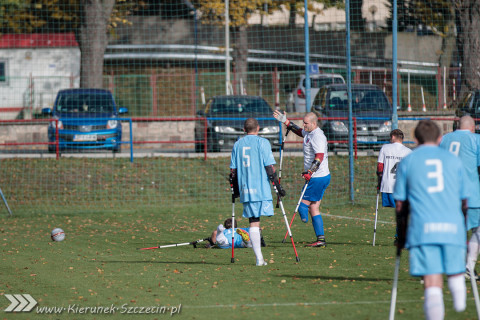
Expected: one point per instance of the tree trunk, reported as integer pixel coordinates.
(448, 43)
(293, 14)
(357, 22)
(92, 39)
(239, 56)
(469, 44)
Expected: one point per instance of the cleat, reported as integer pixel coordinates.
(319, 243)
(244, 234)
(261, 264)
(468, 274)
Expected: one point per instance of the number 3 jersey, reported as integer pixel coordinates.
(433, 182)
(390, 155)
(466, 145)
(250, 155)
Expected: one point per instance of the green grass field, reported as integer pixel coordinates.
(98, 264)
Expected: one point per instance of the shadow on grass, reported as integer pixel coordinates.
(296, 276)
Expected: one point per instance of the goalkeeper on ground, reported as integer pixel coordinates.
(222, 236)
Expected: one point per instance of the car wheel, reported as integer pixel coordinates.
(117, 149)
(199, 147)
(52, 148)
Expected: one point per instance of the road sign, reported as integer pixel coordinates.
(314, 68)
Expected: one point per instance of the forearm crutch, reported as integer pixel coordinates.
(393, 301)
(281, 161)
(296, 209)
(232, 260)
(5, 201)
(376, 215)
(289, 232)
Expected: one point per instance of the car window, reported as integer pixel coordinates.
(85, 103)
(338, 100)
(371, 100)
(320, 82)
(240, 106)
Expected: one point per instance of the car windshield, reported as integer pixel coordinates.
(362, 100)
(85, 103)
(239, 106)
(320, 82)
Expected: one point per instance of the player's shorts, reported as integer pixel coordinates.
(437, 259)
(256, 209)
(473, 218)
(316, 188)
(387, 200)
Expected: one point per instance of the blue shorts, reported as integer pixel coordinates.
(473, 218)
(437, 259)
(316, 188)
(387, 200)
(257, 208)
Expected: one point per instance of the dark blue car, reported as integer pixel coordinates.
(85, 119)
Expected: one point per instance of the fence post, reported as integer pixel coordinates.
(153, 85)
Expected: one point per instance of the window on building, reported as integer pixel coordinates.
(3, 70)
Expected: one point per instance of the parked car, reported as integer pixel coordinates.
(469, 105)
(86, 119)
(316, 82)
(225, 118)
(369, 105)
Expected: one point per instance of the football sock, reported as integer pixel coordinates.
(317, 223)
(457, 287)
(433, 304)
(256, 243)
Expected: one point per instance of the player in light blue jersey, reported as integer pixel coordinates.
(431, 199)
(251, 169)
(465, 144)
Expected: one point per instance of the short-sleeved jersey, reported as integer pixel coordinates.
(225, 241)
(315, 142)
(432, 180)
(466, 145)
(250, 155)
(390, 155)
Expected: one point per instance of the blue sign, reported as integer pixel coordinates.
(314, 68)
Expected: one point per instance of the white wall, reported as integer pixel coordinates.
(48, 69)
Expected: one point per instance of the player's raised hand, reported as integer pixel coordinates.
(282, 117)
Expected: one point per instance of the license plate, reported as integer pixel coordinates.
(85, 137)
(367, 139)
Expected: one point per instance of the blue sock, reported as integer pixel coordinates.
(317, 222)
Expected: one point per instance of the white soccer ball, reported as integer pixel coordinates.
(57, 234)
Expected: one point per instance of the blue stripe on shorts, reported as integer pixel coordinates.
(316, 188)
(256, 209)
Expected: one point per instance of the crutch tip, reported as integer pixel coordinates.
(232, 260)
(298, 259)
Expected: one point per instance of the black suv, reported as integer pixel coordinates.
(469, 105)
(370, 107)
(225, 116)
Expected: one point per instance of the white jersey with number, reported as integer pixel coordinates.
(315, 142)
(390, 155)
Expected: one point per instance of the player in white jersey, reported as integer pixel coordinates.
(251, 169)
(316, 172)
(465, 144)
(431, 201)
(388, 158)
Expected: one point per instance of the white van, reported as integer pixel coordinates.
(316, 82)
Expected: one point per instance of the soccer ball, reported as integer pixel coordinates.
(57, 234)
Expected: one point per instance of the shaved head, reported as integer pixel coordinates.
(467, 123)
